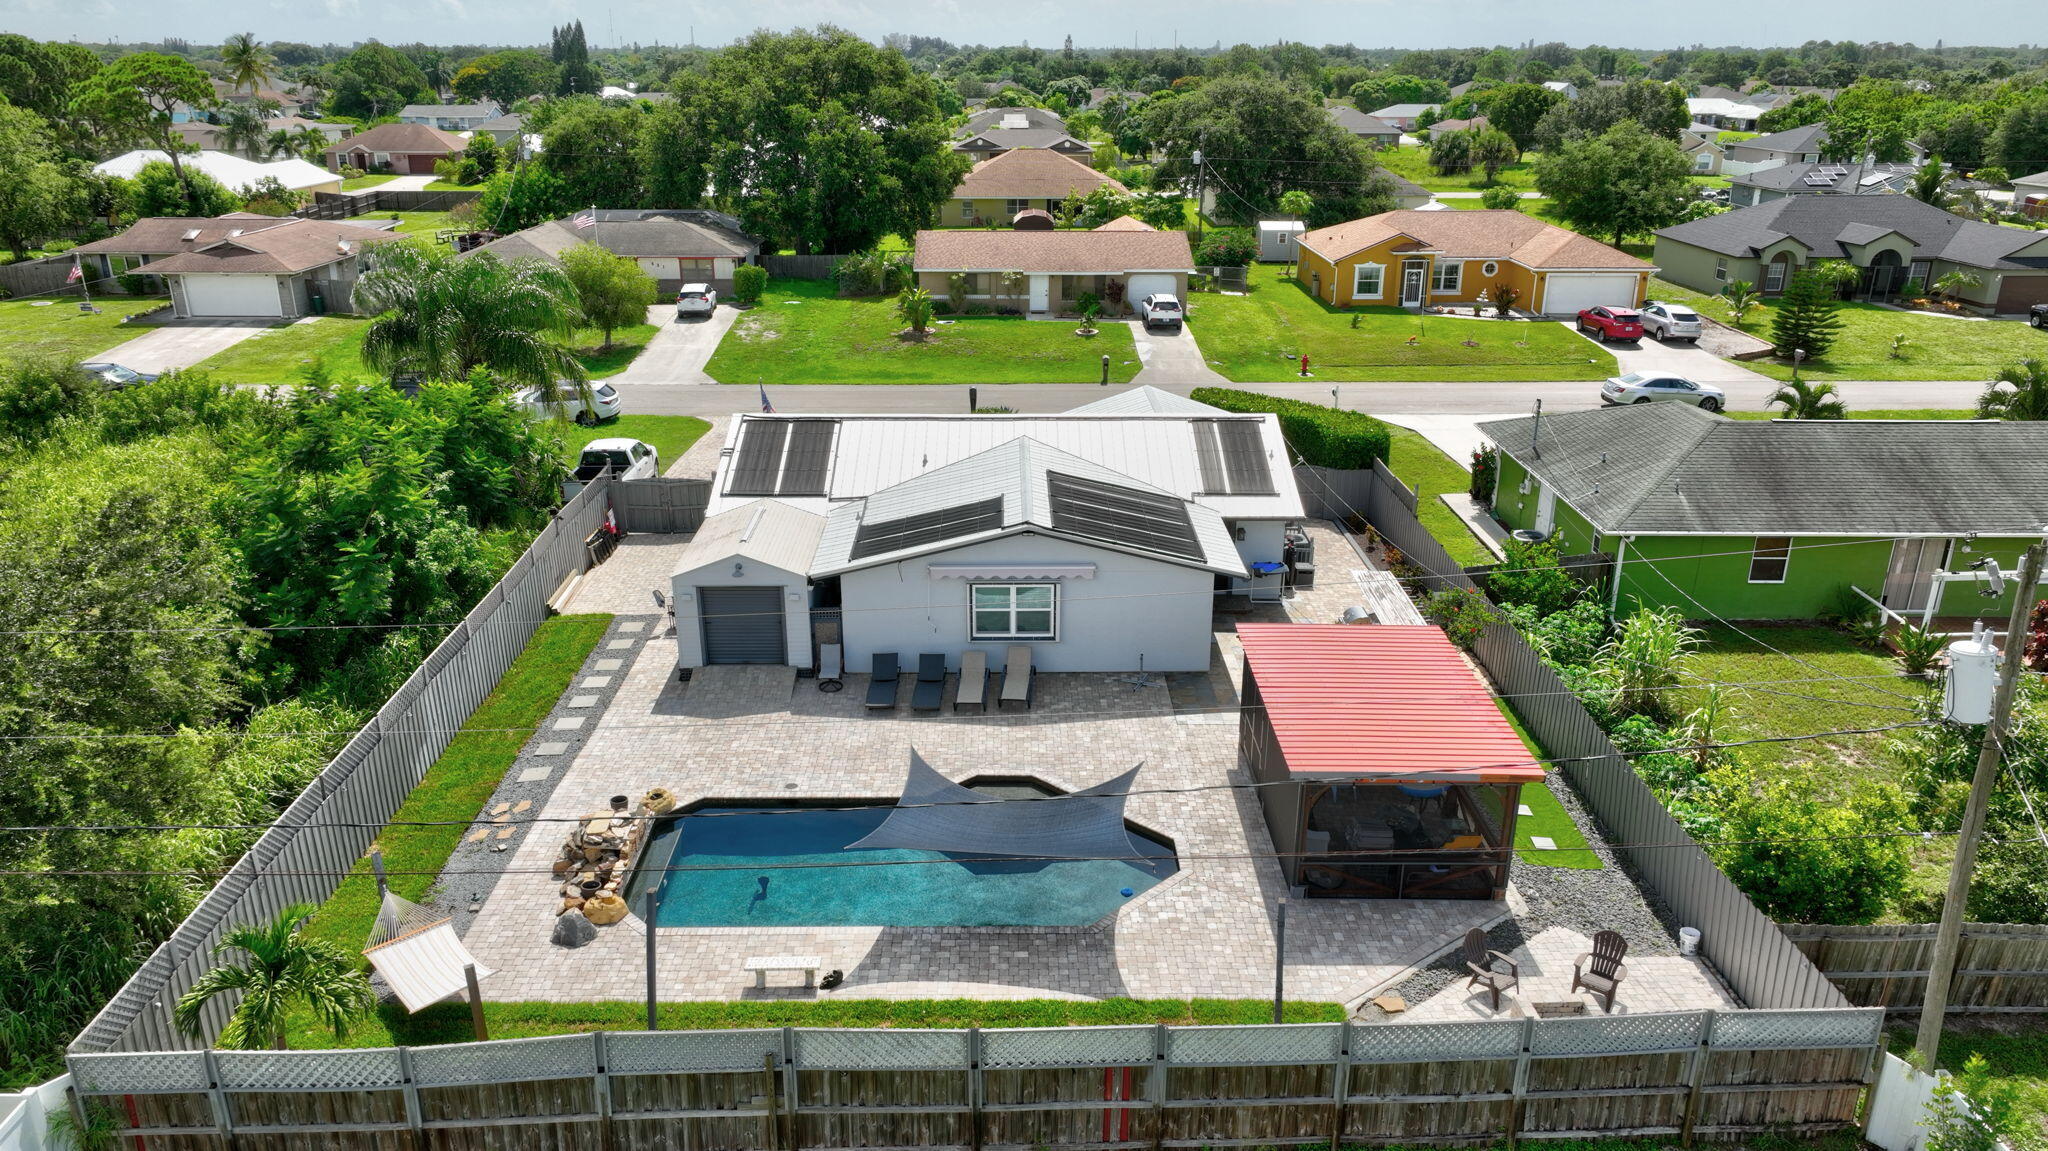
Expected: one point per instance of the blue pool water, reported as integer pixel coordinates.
(738, 844)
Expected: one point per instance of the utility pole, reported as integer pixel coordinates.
(1948, 939)
(1197, 158)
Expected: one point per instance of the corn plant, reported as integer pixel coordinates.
(1646, 659)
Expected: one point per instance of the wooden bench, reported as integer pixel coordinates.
(761, 965)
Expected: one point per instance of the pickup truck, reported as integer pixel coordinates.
(625, 459)
(1162, 308)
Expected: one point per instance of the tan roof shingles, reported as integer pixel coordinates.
(1127, 224)
(294, 246)
(1477, 235)
(1079, 253)
(400, 138)
(1031, 174)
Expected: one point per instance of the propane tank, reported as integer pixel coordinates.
(1972, 678)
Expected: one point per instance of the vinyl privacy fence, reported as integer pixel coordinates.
(305, 854)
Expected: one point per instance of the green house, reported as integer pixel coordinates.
(1772, 519)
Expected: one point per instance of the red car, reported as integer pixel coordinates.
(1609, 324)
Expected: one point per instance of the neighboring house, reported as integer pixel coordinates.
(676, 246)
(234, 173)
(996, 141)
(408, 149)
(1738, 115)
(1822, 179)
(450, 117)
(1566, 88)
(1409, 194)
(1776, 519)
(1052, 270)
(1705, 151)
(2030, 195)
(1894, 239)
(1411, 259)
(1446, 127)
(993, 119)
(1403, 116)
(1096, 96)
(998, 188)
(1805, 144)
(1097, 539)
(245, 266)
(1368, 129)
(200, 135)
(506, 129)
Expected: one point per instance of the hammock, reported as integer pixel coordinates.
(417, 952)
(936, 814)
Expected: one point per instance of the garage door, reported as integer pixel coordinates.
(742, 625)
(217, 295)
(2018, 293)
(1138, 287)
(1568, 294)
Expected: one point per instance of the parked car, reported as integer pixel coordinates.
(1646, 387)
(2038, 316)
(1609, 324)
(696, 300)
(1162, 309)
(1672, 322)
(624, 458)
(115, 376)
(602, 404)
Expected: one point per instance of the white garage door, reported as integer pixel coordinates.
(219, 295)
(1138, 287)
(1568, 294)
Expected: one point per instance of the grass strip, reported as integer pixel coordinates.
(1547, 817)
(1423, 466)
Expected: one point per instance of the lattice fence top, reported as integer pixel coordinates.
(1068, 1047)
(661, 1052)
(1255, 1045)
(310, 1070)
(1791, 1030)
(1430, 1042)
(881, 1050)
(1618, 1034)
(505, 1061)
(140, 1073)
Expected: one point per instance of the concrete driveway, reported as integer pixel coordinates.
(679, 350)
(181, 343)
(1679, 359)
(1170, 358)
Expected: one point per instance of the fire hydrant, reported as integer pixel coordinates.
(1304, 363)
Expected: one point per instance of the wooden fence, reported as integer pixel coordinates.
(2001, 968)
(343, 205)
(1684, 1074)
(40, 278)
(812, 267)
(661, 504)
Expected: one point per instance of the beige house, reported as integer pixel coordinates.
(1047, 272)
(408, 149)
(245, 266)
(998, 188)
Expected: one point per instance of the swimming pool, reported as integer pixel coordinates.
(752, 856)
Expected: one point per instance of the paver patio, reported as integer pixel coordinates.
(1654, 983)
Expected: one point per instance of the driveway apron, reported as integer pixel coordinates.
(181, 343)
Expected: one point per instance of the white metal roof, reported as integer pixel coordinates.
(767, 531)
(1145, 400)
(233, 172)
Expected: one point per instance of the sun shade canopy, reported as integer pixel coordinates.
(936, 814)
(417, 952)
(1389, 701)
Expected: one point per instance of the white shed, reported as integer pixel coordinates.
(742, 587)
(1276, 240)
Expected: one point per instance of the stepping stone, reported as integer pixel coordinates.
(582, 701)
(551, 749)
(533, 775)
(507, 833)
(501, 817)
(620, 645)
(595, 682)
(1543, 843)
(608, 665)
(522, 805)
(632, 626)
(482, 833)
(1524, 810)
(570, 723)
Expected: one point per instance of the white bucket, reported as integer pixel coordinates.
(1688, 941)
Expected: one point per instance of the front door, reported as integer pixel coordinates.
(1909, 583)
(1414, 275)
(1041, 293)
(1546, 512)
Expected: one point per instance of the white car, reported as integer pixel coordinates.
(1672, 322)
(603, 403)
(1646, 387)
(1161, 308)
(696, 300)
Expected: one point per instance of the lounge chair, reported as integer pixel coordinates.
(882, 681)
(1017, 675)
(1490, 969)
(1601, 970)
(831, 667)
(973, 689)
(930, 694)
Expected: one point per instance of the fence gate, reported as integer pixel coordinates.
(661, 505)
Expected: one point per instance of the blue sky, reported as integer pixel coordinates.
(1368, 23)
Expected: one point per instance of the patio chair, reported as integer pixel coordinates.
(1017, 677)
(1485, 966)
(1600, 970)
(667, 609)
(930, 693)
(882, 681)
(831, 667)
(973, 689)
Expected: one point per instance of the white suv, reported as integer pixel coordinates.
(1162, 308)
(1669, 322)
(696, 300)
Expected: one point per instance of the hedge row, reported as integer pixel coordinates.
(1325, 436)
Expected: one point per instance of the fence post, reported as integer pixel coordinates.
(217, 1099)
(793, 1103)
(974, 1088)
(1696, 1075)
(774, 1112)
(601, 1089)
(1157, 1087)
(414, 1123)
(1521, 1083)
(1340, 1086)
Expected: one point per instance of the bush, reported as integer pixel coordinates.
(1571, 638)
(1227, 248)
(1461, 612)
(1485, 465)
(748, 282)
(1502, 198)
(1800, 853)
(1919, 650)
(133, 283)
(1324, 436)
(1646, 659)
(1530, 575)
(56, 246)
(1992, 174)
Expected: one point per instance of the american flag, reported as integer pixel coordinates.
(765, 405)
(586, 219)
(76, 274)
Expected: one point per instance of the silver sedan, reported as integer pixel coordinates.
(1648, 387)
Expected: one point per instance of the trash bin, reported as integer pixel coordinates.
(1688, 941)
(319, 304)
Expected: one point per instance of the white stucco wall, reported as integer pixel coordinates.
(1265, 541)
(796, 606)
(1132, 606)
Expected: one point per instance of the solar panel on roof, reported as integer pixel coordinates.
(783, 458)
(759, 465)
(1116, 514)
(1232, 455)
(884, 536)
(809, 458)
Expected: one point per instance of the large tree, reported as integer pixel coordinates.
(589, 146)
(1805, 319)
(1259, 138)
(1622, 182)
(822, 141)
(612, 292)
(376, 80)
(2021, 142)
(575, 75)
(137, 96)
(506, 77)
(37, 195)
(39, 76)
(1517, 108)
(1656, 106)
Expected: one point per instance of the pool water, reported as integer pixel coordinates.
(738, 846)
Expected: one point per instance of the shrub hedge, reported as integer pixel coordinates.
(1321, 435)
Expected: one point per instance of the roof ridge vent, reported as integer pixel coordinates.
(760, 513)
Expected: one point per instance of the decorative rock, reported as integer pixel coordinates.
(561, 868)
(659, 801)
(574, 929)
(572, 903)
(604, 909)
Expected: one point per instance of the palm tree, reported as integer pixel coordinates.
(1741, 296)
(283, 968)
(242, 130)
(249, 66)
(1297, 204)
(1930, 184)
(2018, 392)
(1807, 400)
(1956, 283)
(914, 306)
(443, 317)
(308, 143)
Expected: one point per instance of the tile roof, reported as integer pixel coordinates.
(1671, 468)
(291, 247)
(400, 138)
(1481, 234)
(1078, 253)
(1819, 223)
(1031, 174)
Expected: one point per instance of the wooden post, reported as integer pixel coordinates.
(601, 1090)
(414, 1117)
(974, 1088)
(476, 1003)
(1521, 1081)
(1696, 1074)
(774, 1112)
(1340, 1083)
(1280, 959)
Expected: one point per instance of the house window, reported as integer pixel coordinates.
(1918, 271)
(1368, 280)
(1448, 277)
(1015, 610)
(1489, 268)
(1774, 275)
(1702, 161)
(1012, 207)
(1721, 270)
(1768, 559)
(967, 210)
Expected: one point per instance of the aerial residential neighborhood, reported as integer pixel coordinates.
(633, 580)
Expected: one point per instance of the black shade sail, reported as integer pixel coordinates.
(936, 814)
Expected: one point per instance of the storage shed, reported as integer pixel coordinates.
(1386, 770)
(1276, 240)
(741, 589)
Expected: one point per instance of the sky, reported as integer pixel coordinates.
(1046, 23)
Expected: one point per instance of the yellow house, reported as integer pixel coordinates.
(1415, 259)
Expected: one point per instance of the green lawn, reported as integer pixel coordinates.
(446, 186)
(1547, 817)
(2015, 1049)
(421, 224)
(670, 435)
(282, 354)
(803, 334)
(355, 183)
(1423, 467)
(57, 328)
(1250, 339)
(1413, 163)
